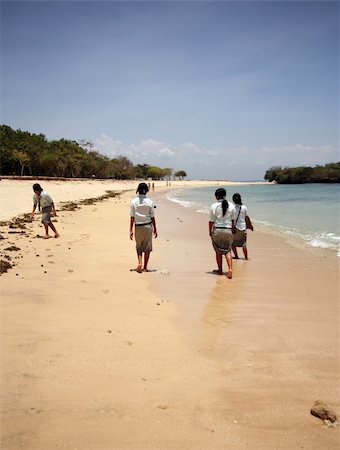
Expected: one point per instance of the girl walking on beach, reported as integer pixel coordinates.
(143, 217)
(240, 229)
(221, 222)
(44, 201)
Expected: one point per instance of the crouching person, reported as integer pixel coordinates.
(44, 202)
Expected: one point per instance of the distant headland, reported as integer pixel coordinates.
(329, 173)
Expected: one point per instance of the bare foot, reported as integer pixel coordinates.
(218, 272)
(46, 236)
(139, 268)
(145, 269)
(230, 274)
(57, 235)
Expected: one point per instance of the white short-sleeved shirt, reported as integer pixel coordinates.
(216, 215)
(45, 199)
(241, 220)
(142, 209)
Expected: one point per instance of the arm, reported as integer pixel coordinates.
(153, 221)
(132, 221)
(211, 224)
(34, 208)
(249, 223)
(53, 209)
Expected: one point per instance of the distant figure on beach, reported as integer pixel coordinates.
(143, 217)
(221, 222)
(240, 229)
(44, 202)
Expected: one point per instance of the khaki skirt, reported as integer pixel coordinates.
(240, 238)
(222, 240)
(46, 214)
(143, 237)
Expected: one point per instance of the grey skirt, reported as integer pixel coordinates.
(143, 237)
(46, 214)
(240, 238)
(222, 240)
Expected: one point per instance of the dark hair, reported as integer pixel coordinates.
(237, 199)
(220, 194)
(142, 189)
(37, 187)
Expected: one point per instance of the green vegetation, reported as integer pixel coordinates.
(24, 153)
(180, 174)
(330, 173)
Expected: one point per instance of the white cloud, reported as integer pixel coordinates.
(235, 163)
(108, 146)
(151, 147)
(298, 154)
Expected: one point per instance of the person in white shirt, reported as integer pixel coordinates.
(44, 201)
(221, 222)
(143, 217)
(240, 230)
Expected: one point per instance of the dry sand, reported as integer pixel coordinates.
(95, 356)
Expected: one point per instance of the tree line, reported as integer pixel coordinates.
(25, 153)
(329, 173)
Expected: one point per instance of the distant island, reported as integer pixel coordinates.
(329, 173)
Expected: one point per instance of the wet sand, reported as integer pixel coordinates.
(272, 331)
(95, 356)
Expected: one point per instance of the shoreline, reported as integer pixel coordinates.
(204, 361)
(320, 241)
(73, 190)
(268, 329)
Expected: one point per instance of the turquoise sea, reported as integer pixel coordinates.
(307, 211)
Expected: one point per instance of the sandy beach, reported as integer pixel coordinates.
(97, 356)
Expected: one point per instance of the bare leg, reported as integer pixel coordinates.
(56, 234)
(245, 252)
(219, 262)
(146, 260)
(46, 231)
(140, 260)
(230, 265)
(235, 251)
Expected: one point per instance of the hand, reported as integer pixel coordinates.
(131, 235)
(155, 234)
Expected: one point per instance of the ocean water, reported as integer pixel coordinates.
(309, 212)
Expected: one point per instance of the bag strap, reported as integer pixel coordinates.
(238, 215)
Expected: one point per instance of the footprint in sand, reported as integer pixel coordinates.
(105, 291)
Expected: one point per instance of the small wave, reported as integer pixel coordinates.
(185, 203)
(318, 243)
(316, 240)
(203, 211)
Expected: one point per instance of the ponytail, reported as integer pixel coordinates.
(221, 194)
(225, 205)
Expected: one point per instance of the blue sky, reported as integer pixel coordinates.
(219, 89)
